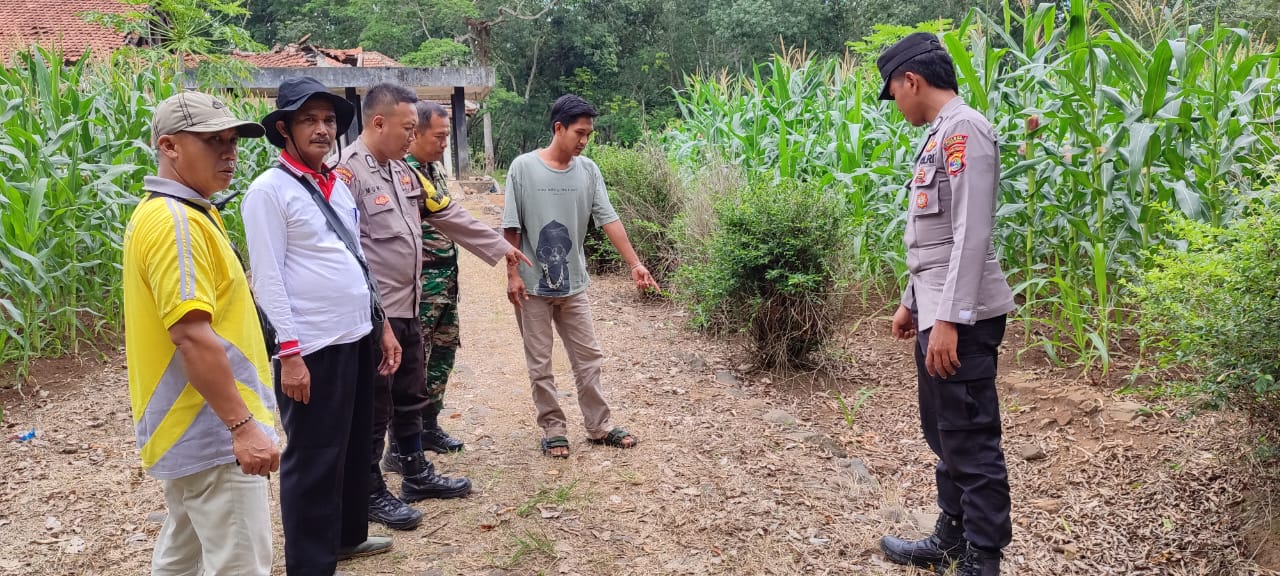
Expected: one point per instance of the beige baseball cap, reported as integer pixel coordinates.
(190, 111)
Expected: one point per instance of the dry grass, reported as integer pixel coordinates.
(713, 488)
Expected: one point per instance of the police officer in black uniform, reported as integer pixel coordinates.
(955, 306)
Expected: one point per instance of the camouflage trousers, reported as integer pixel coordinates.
(440, 340)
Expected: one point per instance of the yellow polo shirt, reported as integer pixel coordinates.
(177, 260)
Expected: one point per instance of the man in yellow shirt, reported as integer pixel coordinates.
(203, 410)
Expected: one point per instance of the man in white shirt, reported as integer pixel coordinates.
(314, 290)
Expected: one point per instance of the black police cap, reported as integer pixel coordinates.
(917, 44)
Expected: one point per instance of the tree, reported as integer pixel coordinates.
(626, 56)
(187, 34)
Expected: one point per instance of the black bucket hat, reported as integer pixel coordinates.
(916, 44)
(295, 92)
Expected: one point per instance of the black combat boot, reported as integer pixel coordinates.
(434, 438)
(940, 549)
(437, 440)
(386, 509)
(420, 481)
(978, 562)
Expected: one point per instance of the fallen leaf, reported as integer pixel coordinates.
(1068, 551)
(549, 512)
(691, 492)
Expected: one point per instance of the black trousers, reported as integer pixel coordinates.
(961, 420)
(398, 399)
(324, 479)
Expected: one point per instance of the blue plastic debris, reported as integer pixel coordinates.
(27, 435)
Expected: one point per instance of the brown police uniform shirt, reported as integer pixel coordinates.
(389, 198)
(950, 253)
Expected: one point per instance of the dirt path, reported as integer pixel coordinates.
(737, 473)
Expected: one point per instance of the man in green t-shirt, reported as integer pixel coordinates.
(552, 194)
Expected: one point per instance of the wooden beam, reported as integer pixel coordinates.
(460, 147)
(489, 167)
(428, 83)
(358, 124)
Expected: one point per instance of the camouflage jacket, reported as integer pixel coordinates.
(439, 254)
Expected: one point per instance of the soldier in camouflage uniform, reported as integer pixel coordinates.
(438, 313)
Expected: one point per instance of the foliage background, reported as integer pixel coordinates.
(627, 55)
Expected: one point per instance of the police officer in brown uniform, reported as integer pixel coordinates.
(389, 197)
(955, 306)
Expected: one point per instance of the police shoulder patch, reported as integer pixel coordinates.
(344, 174)
(954, 147)
(955, 140)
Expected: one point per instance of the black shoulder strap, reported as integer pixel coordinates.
(268, 330)
(335, 224)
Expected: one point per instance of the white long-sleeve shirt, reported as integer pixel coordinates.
(308, 283)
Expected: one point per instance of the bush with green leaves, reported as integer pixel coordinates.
(648, 196)
(773, 269)
(1211, 311)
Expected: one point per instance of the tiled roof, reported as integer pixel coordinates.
(306, 56)
(374, 59)
(290, 59)
(61, 24)
(58, 24)
(361, 58)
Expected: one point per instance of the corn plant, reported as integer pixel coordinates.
(74, 147)
(1101, 135)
